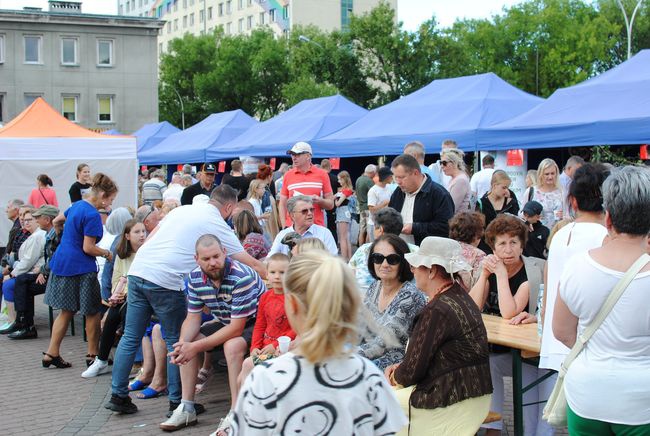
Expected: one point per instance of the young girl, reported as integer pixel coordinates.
(343, 216)
(131, 240)
(271, 324)
(256, 192)
(322, 386)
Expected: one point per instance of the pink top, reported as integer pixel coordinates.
(45, 196)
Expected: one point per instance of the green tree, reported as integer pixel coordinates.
(304, 88)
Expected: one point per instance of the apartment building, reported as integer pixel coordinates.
(242, 16)
(99, 71)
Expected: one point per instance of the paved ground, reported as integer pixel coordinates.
(38, 401)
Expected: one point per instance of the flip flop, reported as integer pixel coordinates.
(151, 393)
(137, 385)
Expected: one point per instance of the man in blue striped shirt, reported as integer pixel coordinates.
(231, 291)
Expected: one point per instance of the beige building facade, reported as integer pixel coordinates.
(242, 16)
(99, 71)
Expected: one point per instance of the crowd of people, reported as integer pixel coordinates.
(346, 306)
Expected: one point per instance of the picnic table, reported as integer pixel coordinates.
(525, 345)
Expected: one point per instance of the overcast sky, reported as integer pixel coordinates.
(411, 12)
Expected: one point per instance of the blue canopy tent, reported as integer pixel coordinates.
(445, 109)
(113, 132)
(306, 121)
(150, 135)
(192, 144)
(612, 108)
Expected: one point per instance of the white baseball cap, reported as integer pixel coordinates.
(300, 148)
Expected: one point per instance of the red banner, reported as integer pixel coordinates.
(143, 168)
(515, 158)
(644, 152)
(272, 163)
(222, 167)
(336, 162)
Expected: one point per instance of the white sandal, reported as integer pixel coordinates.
(224, 425)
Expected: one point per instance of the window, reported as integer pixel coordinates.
(133, 5)
(271, 15)
(29, 98)
(33, 49)
(240, 25)
(176, 24)
(191, 2)
(2, 51)
(184, 4)
(160, 48)
(229, 7)
(285, 12)
(201, 17)
(121, 10)
(249, 22)
(175, 5)
(2, 108)
(184, 21)
(210, 13)
(192, 19)
(69, 109)
(240, 4)
(169, 26)
(228, 28)
(249, 2)
(128, 7)
(105, 109)
(346, 11)
(139, 3)
(262, 18)
(69, 51)
(105, 52)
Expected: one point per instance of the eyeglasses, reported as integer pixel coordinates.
(305, 211)
(444, 163)
(28, 220)
(392, 259)
(148, 213)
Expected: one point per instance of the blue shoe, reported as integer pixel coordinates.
(137, 385)
(150, 392)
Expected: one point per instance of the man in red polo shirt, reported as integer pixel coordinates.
(305, 179)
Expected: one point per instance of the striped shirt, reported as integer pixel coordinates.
(312, 182)
(237, 297)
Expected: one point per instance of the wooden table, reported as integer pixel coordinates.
(525, 344)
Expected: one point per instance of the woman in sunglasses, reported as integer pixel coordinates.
(392, 300)
(453, 166)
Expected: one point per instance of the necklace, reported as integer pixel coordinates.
(386, 296)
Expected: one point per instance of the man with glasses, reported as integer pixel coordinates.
(425, 206)
(205, 185)
(301, 211)
(305, 179)
(149, 216)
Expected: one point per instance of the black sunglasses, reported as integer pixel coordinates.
(444, 163)
(392, 259)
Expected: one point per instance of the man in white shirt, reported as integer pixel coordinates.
(379, 196)
(175, 188)
(301, 211)
(156, 283)
(481, 181)
(436, 168)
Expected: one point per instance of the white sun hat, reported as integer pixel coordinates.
(439, 251)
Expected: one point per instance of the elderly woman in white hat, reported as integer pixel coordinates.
(446, 368)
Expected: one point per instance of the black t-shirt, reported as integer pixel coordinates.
(77, 190)
(492, 303)
(240, 183)
(536, 244)
(192, 191)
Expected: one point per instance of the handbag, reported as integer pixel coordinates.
(555, 410)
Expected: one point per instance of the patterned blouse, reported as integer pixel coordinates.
(474, 256)
(447, 358)
(396, 319)
(551, 202)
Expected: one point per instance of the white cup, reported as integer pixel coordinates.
(283, 344)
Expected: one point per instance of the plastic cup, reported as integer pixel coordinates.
(283, 344)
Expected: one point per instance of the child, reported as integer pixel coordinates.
(537, 232)
(271, 323)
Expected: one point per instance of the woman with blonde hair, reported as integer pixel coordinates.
(307, 244)
(548, 192)
(322, 386)
(453, 166)
(499, 199)
(256, 191)
(343, 215)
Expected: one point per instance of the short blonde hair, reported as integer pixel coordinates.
(543, 166)
(308, 244)
(326, 288)
(455, 156)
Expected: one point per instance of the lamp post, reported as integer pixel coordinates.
(303, 38)
(629, 23)
(180, 100)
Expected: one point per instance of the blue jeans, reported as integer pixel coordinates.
(144, 299)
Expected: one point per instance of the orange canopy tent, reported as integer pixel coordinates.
(41, 141)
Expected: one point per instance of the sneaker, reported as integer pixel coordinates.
(96, 368)
(198, 408)
(24, 333)
(121, 404)
(179, 419)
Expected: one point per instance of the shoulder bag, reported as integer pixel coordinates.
(555, 410)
